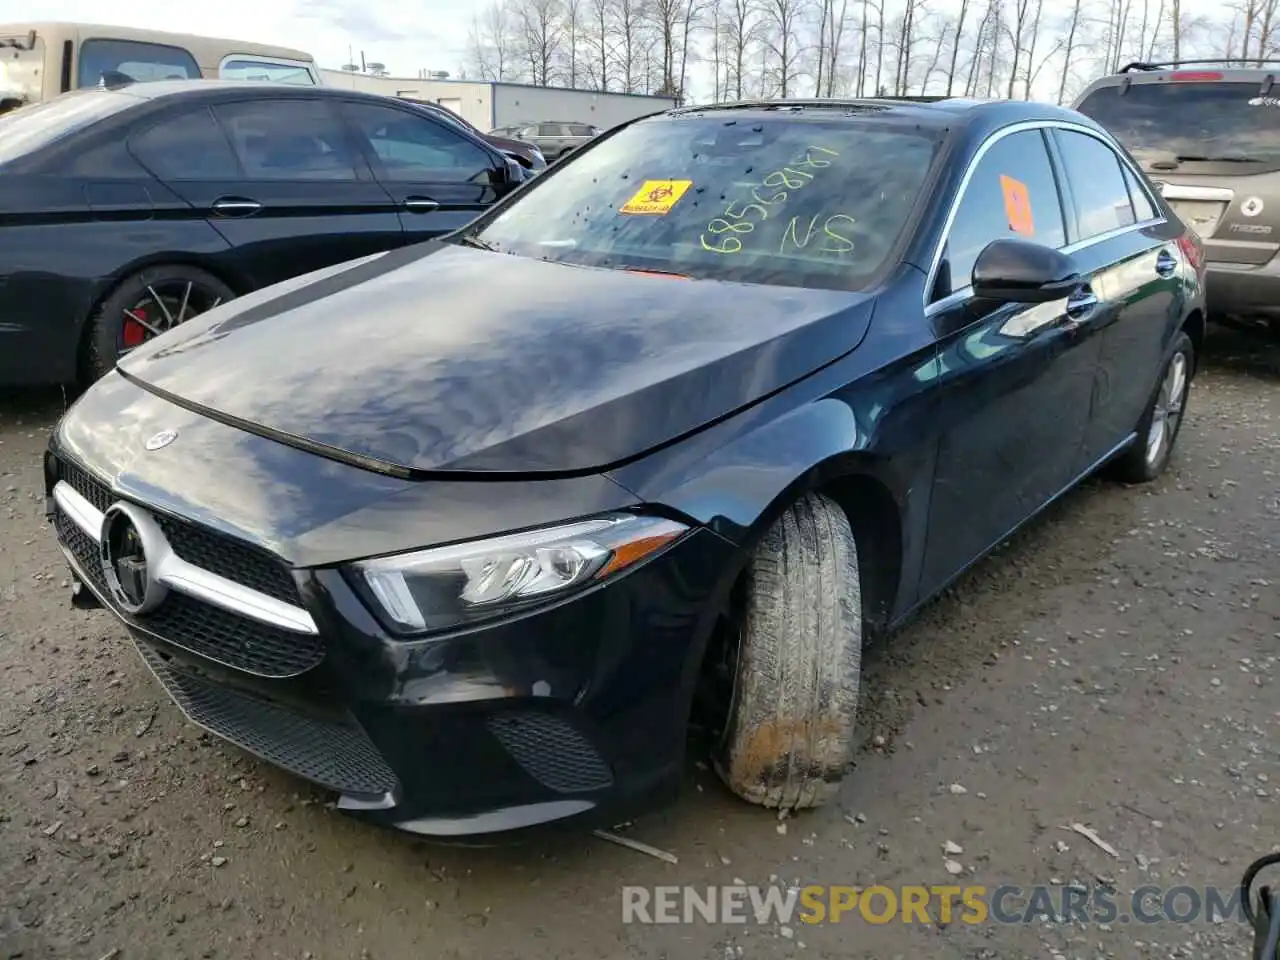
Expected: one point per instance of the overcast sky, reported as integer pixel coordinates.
(406, 35)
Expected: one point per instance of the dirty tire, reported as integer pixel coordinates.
(102, 337)
(789, 735)
(1134, 465)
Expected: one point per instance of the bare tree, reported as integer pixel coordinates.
(944, 26)
(1177, 30)
(742, 28)
(572, 47)
(1017, 31)
(691, 19)
(1069, 47)
(490, 42)
(598, 41)
(540, 26)
(955, 44)
(630, 17)
(782, 39)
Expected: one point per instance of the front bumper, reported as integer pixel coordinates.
(577, 710)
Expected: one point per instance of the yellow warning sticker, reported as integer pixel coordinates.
(656, 197)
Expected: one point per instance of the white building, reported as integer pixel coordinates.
(489, 105)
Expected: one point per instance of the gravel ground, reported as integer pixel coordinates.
(1114, 666)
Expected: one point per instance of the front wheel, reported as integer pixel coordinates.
(1159, 427)
(797, 637)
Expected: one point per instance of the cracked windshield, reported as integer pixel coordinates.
(788, 201)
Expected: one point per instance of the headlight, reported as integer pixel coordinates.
(444, 587)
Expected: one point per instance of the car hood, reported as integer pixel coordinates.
(442, 358)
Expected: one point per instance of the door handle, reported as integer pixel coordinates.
(419, 204)
(1080, 304)
(236, 207)
(1166, 264)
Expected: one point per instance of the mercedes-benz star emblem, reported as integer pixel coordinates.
(124, 550)
(161, 439)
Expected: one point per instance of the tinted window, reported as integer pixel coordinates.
(581, 130)
(288, 140)
(550, 130)
(266, 70)
(190, 147)
(1097, 185)
(1143, 208)
(802, 203)
(1158, 121)
(30, 128)
(1012, 193)
(416, 148)
(119, 61)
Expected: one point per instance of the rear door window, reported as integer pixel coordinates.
(188, 147)
(1011, 195)
(288, 140)
(1220, 127)
(1097, 185)
(132, 61)
(581, 130)
(550, 130)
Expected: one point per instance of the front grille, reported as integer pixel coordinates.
(235, 560)
(203, 629)
(198, 627)
(552, 752)
(339, 756)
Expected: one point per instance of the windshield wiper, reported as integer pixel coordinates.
(470, 240)
(1186, 157)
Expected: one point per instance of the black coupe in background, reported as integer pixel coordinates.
(462, 532)
(129, 211)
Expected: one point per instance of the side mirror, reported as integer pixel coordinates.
(1018, 271)
(513, 172)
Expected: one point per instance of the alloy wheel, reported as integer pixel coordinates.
(1168, 408)
(164, 305)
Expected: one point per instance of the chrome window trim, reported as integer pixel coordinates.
(931, 275)
(187, 578)
(965, 292)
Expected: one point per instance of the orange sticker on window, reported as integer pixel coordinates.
(1017, 206)
(656, 197)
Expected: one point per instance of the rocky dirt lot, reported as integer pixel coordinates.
(1115, 666)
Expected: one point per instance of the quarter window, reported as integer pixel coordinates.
(130, 61)
(288, 140)
(416, 148)
(1012, 193)
(1143, 208)
(189, 147)
(1097, 184)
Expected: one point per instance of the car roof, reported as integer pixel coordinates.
(981, 116)
(164, 89)
(1265, 73)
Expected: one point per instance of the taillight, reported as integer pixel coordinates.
(1192, 248)
(1194, 76)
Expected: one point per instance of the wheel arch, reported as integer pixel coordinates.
(863, 486)
(1195, 327)
(238, 281)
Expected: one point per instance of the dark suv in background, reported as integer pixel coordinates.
(1207, 132)
(553, 138)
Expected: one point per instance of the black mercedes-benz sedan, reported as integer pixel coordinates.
(467, 532)
(129, 211)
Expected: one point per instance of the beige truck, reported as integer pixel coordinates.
(38, 61)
